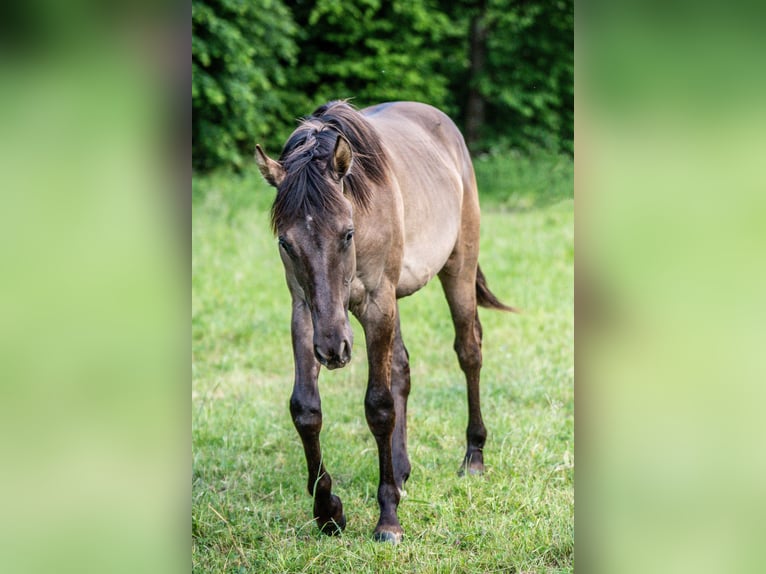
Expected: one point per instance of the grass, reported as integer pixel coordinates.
(250, 510)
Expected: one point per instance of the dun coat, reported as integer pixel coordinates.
(370, 206)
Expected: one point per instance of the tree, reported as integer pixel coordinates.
(526, 84)
(514, 81)
(477, 56)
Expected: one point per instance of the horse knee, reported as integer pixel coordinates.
(307, 415)
(468, 354)
(379, 410)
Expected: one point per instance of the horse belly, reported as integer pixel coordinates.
(427, 248)
(428, 158)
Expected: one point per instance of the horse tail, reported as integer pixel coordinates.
(485, 297)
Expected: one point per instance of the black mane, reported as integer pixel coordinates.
(307, 157)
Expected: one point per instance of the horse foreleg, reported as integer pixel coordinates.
(400, 388)
(306, 411)
(379, 322)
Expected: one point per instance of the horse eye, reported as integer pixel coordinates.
(286, 246)
(349, 236)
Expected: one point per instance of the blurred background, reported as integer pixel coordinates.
(94, 297)
(671, 236)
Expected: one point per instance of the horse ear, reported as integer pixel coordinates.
(272, 171)
(341, 157)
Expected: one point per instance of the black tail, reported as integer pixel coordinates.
(486, 298)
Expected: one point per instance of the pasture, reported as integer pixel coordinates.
(250, 509)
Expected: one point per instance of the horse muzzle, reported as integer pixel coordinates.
(334, 353)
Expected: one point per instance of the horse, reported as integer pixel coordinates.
(370, 205)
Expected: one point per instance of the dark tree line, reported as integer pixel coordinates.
(503, 69)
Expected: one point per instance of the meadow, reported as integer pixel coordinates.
(250, 508)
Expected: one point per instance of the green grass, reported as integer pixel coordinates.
(250, 509)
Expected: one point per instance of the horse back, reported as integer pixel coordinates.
(433, 175)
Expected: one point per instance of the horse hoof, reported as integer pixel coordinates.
(333, 527)
(473, 470)
(387, 536)
(330, 517)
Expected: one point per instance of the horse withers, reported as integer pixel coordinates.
(370, 206)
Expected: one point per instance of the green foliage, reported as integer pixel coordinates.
(526, 79)
(240, 53)
(529, 81)
(259, 65)
(375, 51)
(250, 510)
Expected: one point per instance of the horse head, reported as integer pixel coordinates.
(313, 221)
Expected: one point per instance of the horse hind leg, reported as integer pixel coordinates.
(460, 290)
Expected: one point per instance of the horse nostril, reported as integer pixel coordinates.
(345, 351)
(320, 355)
(334, 356)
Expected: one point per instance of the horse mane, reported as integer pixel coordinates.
(307, 158)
